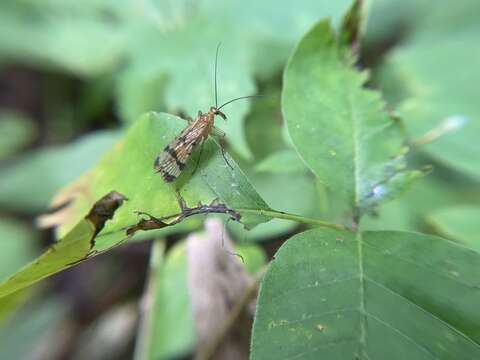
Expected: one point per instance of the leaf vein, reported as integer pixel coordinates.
(424, 311)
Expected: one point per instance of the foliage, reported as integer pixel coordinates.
(366, 306)
(351, 186)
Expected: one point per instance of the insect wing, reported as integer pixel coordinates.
(174, 157)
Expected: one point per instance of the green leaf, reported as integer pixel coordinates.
(62, 35)
(74, 247)
(184, 52)
(443, 188)
(253, 255)
(17, 132)
(31, 182)
(167, 48)
(298, 197)
(352, 26)
(458, 223)
(264, 125)
(17, 245)
(284, 161)
(338, 127)
(131, 103)
(377, 295)
(167, 321)
(440, 105)
(128, 168)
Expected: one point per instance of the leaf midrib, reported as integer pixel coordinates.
(355, 152)
(361, 274)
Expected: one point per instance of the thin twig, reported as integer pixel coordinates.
(212, 347)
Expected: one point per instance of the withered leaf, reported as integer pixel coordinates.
(74, 247)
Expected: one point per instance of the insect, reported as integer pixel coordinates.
(173, 159)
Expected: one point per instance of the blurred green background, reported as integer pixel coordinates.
(74, 75)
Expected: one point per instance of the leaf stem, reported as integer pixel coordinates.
(448, 125)
(274, 214)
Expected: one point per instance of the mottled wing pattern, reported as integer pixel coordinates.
(174, 157)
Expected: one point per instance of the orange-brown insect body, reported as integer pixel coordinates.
(174, 157)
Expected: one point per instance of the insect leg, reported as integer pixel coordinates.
(219, 133)
(181, 201)
(225, 157)
(199, 158)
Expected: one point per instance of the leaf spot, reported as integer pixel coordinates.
(455, 273)
(378, 191)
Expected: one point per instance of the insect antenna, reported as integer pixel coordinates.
(216, 61)
(239, 98)
(216, 87)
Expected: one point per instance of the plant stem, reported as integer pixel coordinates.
(448, 125)
(249, 293)
(283, 215)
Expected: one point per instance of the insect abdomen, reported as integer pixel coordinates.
(173, 158)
